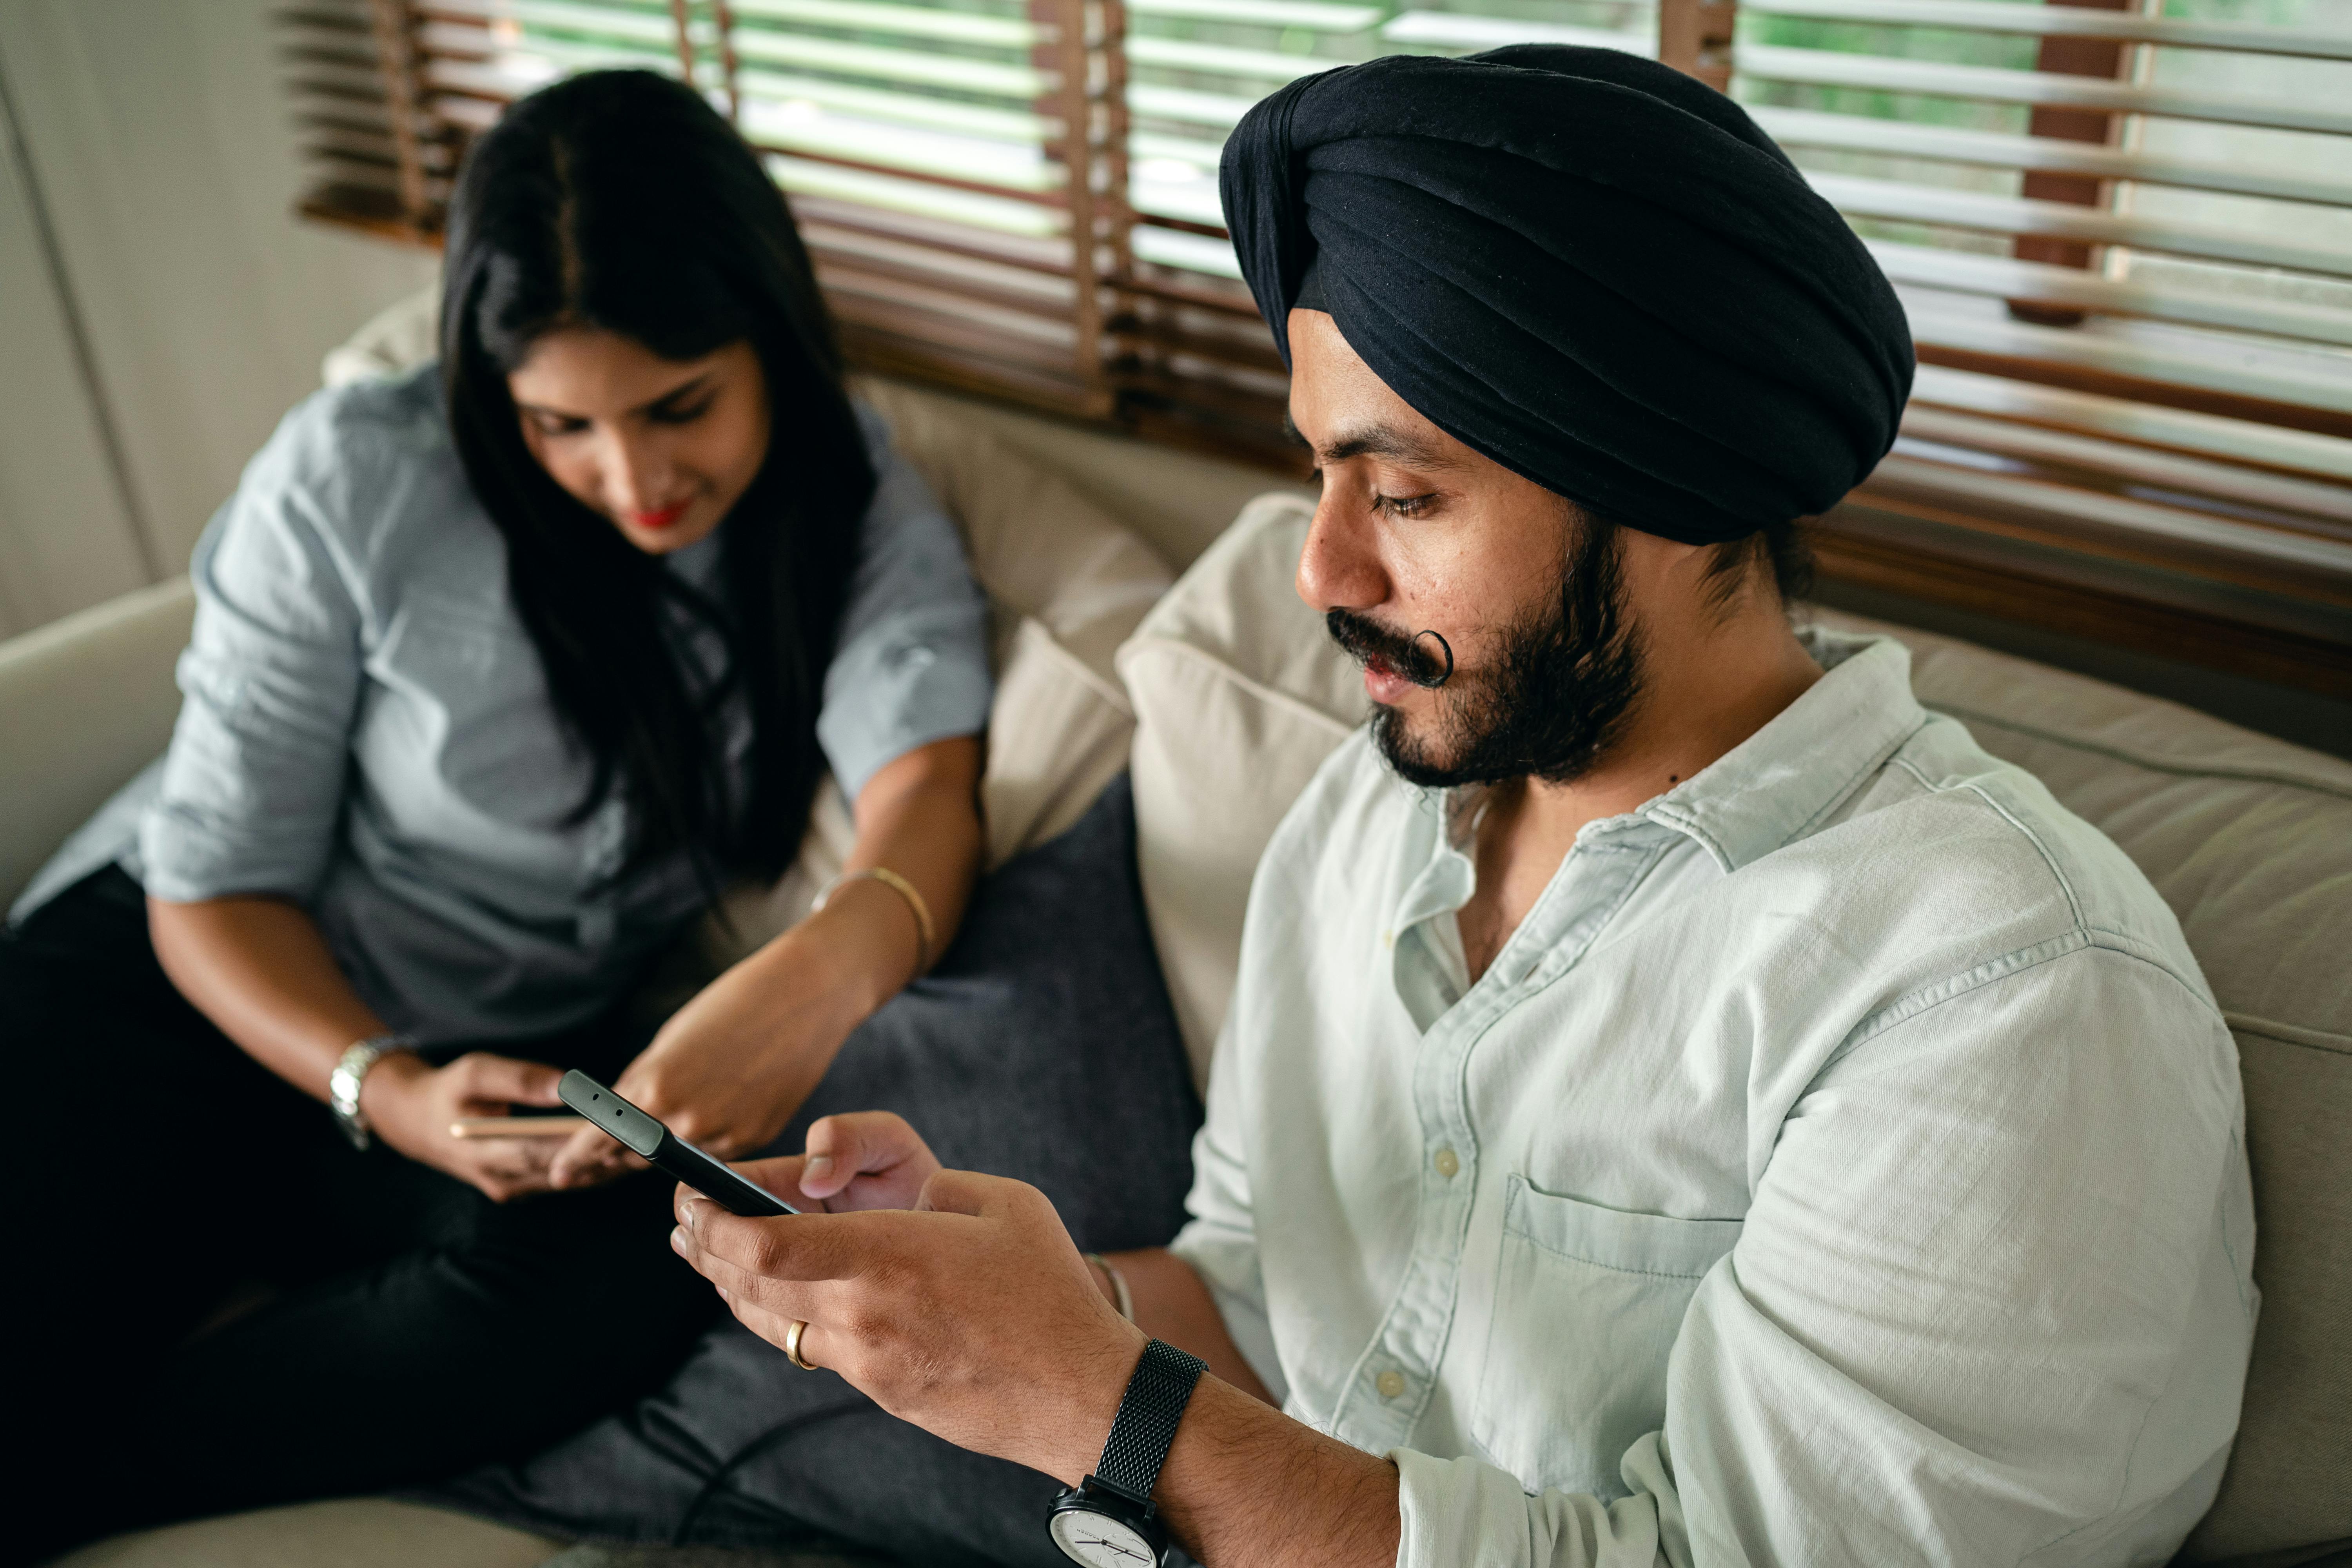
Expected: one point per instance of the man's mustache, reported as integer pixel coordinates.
(1423, 658)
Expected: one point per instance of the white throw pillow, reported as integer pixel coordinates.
(1239, 695)
(399, 337)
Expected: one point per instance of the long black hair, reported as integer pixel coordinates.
(620, 201)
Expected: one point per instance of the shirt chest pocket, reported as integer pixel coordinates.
(1588, 1301)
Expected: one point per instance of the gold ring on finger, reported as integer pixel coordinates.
(793, 1346)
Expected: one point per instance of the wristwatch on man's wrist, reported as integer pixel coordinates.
(350, 1072)
(1108, 1519)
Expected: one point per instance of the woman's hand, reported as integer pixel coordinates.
(731, 1067)
(411, 1103)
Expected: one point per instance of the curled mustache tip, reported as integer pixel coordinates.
(1419, 676)
(1410, 657)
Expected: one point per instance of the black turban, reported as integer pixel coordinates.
(1587, 266)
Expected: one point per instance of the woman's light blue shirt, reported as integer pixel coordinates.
(366, 726)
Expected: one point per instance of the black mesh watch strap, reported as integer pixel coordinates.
(1146, 1423)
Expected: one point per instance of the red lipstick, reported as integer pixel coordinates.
(656, 520)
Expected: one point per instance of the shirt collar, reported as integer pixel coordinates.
(1756, 797)
(1775, 784)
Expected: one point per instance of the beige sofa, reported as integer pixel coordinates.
(1225, 698)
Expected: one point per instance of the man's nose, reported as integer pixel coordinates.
(1341, 568)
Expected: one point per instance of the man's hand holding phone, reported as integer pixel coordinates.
(955, 1301)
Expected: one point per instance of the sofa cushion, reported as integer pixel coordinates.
(402, 336)
(1239, 695)
(351, 1533)
(378, 1532)
(85, 702)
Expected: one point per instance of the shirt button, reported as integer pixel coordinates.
(1446, 1164)
(1388, 940)
(1391, 1383)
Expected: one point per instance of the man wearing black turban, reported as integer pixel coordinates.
(1595, 270)
(1725, 1116)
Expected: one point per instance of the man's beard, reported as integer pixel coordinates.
(1553, 700)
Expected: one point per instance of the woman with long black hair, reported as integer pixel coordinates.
(500, 672)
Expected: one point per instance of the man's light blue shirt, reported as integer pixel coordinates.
(1843, 1162)
(366, 727)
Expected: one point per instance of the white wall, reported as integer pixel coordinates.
(162, 150)
(66, 533)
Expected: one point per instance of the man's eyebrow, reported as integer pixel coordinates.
(1381, 441)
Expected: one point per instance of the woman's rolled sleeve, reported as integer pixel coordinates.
(253, 786)
(911, 679)
(911, 667)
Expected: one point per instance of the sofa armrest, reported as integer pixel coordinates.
(85, 702)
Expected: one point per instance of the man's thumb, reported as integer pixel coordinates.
(846, 1145)
(957, 1192)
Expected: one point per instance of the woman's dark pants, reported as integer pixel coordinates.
(411, 1327)
(422, 1330)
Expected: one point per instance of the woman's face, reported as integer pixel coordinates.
(664, 449)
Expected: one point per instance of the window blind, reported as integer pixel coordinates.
(2123, 238)
(955, 168)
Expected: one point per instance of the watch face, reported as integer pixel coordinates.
(1101, 1541)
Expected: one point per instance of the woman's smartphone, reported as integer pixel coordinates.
(515, 1126)
(665, 1151)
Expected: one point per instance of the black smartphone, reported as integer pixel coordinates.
(665, 1150)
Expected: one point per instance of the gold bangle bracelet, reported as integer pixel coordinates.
(925, 933)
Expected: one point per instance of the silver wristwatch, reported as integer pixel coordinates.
(350, 1072)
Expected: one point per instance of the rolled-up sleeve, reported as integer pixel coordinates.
(1461, 1510)
(1985, 1245)
(1220, 1241)
(912, 665)
(253, 785)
